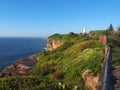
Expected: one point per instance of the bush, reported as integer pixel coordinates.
(57, 74)
(85, 45)
(98, 32)
(43, 69)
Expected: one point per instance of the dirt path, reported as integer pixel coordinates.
(116, 73)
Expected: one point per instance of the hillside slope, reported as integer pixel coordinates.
(62, 67)
(116, 66)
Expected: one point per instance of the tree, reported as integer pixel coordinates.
(110, 34)
(72, 34)
(117, 37)
(111, 28)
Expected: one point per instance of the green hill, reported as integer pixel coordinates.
(61, 68)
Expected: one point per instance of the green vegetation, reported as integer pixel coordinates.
(61, 68)
(98, 32)
(27, 83)
(116, 37)
(67, 62)
(110, 34)
(114, 41)
(116, 56)
(68, 37)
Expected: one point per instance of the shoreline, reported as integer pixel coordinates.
(20, 67)
(13, 49)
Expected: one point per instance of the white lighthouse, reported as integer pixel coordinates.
(84, 29)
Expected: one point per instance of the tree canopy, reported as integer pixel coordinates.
(111, 28)
(117, 37)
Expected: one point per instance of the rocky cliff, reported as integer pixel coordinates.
(19, 68)
(90, 81)
(23, 66)
(52, 44)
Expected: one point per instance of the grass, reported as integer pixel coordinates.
(27, 83)
(68, 37)
(66, 62)
(98, 32)
(116, 56)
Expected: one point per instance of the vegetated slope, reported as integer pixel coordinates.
(116, 66)
(98, 32)
(116, 56)
(61, 68)
(115, 43)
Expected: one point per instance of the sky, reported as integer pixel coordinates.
(41, 18)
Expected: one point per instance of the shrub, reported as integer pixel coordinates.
(85, 45)
(57, 74)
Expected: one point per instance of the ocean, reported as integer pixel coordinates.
(12, 49)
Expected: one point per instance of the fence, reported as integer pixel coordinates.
(104, 82)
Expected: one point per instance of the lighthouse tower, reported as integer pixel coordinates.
(84, 29)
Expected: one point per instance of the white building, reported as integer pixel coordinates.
(84, 29)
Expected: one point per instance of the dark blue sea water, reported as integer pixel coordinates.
(12, 49)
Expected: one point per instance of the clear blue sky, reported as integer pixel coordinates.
(36, 18)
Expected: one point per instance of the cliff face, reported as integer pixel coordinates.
(52, 44)
(90, 80)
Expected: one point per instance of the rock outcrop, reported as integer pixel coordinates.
(23, 66)
(19, 68)
(52, 44)
(90, 81)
